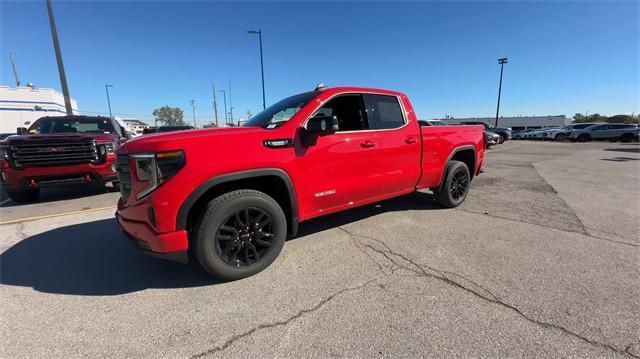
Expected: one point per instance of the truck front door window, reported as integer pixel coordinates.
(349, 110)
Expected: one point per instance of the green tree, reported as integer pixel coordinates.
(169, 116)
(620, 119)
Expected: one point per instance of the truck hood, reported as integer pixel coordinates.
(176, 140)
(101, 137)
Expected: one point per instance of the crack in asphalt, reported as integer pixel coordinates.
(628, 348)
(423, 270)
(399, 261)
(284, 322)
(586, 234)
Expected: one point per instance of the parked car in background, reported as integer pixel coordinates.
(491, 139)
(310, 155)
(57, 151)
(562, 134)
(166, 129)
(519, 135)
(606, 131)
(504, 132)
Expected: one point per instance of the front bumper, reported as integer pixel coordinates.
(171, 245)
(48, 176)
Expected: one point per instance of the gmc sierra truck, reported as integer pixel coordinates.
(233, 195)
(59, 150)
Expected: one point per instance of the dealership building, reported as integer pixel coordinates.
(21, 106)
(516, 123)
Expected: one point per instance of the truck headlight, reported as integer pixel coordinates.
(156, 168)
(4, 153)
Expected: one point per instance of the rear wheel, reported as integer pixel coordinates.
(627, 137)
(23, 195)
(455, 185)
(500, 139)
(240, 234)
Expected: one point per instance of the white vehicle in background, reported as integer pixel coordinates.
(562, 134)
(622, 132)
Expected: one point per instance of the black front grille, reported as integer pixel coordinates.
(124, 175)
(52, 153)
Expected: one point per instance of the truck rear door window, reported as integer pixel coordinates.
(387, 111)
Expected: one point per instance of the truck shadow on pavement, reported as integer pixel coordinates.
(95, 258)
(55, 194)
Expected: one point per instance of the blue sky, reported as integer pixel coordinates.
(564, 57)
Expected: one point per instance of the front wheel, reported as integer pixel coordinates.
(240, 234)
(501, 140)
(584, 138)
(455, 185)
(23, 195)
(561, 137)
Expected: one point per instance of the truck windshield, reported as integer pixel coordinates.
(281, 112)
(70, 125)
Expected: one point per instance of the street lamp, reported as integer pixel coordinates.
(106, 87)
(224, 98)
(259, 33)
(501, 61)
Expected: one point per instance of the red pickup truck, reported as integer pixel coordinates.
(233, 195)
(59, 150)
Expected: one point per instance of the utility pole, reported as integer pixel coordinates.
(224, 98)
(15, 71)
(501, 61)
(56, 47)
(215, 103)
(193, 107)
(106, 87)
(259, 33)
(230, 106)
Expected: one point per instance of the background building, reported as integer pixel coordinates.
(516, 123)
(131, 124)
(20, 107)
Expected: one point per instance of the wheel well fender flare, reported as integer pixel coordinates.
(454, 152)
(202, 189)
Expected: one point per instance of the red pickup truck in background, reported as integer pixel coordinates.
(233, 195)
(59, 150)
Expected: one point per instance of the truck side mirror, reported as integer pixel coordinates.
(322, 125)
(22, 131)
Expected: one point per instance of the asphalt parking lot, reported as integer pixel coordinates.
(541, 260)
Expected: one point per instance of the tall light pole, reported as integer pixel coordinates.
(259, 33)
(224, 98)
(230, 106)
(193, 108)
(501, 61)
(215, 103)
(56, 47)
(106, 87)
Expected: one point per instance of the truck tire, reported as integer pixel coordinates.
(239, 234)
(23, 195)
(455, 185)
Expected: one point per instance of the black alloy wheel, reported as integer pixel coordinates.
(459, 184)
(239, 234)
(455, 185)
(244, 237)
